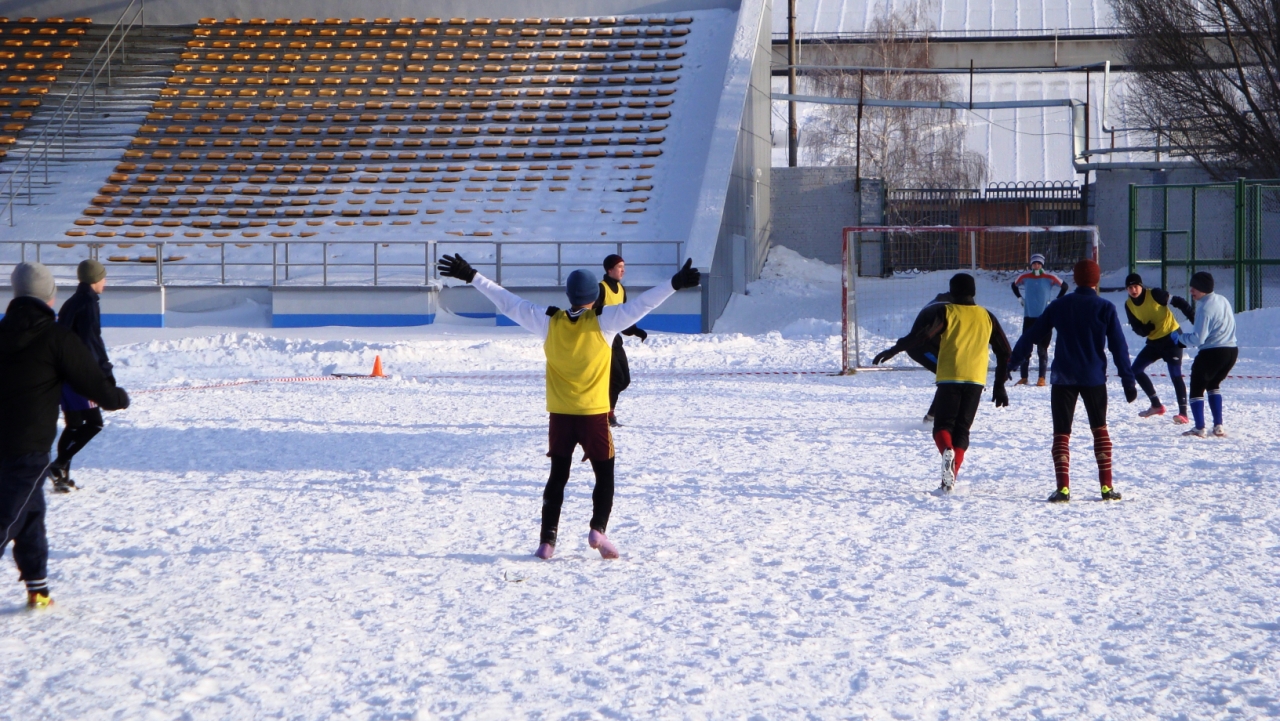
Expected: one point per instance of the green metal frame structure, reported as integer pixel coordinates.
(1173, 236)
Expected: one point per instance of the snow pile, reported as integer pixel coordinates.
(1258, 328)
(795, 295)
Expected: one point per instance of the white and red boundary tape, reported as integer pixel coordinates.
(520, 375)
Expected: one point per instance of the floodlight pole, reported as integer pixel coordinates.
(793, 132)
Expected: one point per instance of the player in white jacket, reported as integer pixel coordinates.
(1215, 335)
(578, 347)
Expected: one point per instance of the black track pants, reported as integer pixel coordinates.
(1062, 400)
(619, 372)
(553, 496)
(1210, 368)
(82, 426)
(954, 406)
(22, 513)
(1042, 348)
(1171, 353)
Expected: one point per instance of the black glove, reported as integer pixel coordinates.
(885, 355)
(1130, 392)
(686, 277)
(636, 332)
(1063, 290)
(1149, 328)
(453, 266)
(999, 396)
(121, 402)
(1181, 304)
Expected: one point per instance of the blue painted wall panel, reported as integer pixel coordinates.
(314, 320)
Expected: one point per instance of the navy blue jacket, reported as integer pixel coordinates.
(1086, 325)
(81, 315)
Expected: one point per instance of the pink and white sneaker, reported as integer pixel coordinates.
(545, 551)
(1181, 419)
(601, 543)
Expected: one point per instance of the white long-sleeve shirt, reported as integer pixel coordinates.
(534, 318)
(1215, 324)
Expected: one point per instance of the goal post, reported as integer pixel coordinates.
(890, 272)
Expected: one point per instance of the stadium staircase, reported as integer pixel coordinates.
(292, 128)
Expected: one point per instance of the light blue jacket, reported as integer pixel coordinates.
(1215, 324)
(1038, 290)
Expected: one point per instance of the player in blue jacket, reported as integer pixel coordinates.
(1035, 289)
(81, 315)
(1215, 335)
(1087, 325)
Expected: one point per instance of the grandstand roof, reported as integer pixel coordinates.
(855, 16)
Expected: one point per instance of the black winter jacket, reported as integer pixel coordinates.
(36, 358)
(82, 316)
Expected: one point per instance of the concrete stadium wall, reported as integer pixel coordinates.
(811, 205)
(305, 307)
(1109, 207)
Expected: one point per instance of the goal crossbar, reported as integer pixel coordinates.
(851, 336)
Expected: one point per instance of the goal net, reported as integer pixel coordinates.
(892, 272)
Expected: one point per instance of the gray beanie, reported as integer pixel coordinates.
(90, 271)
(33, 279)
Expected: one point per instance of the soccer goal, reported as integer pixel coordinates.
(892, 272)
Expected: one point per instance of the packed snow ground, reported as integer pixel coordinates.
(362, 548)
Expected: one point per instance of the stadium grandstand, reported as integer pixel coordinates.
(214, 152)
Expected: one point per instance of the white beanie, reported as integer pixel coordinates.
(35, 280)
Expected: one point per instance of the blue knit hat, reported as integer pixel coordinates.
(582, 287)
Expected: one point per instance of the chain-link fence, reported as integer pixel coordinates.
(1231, 230)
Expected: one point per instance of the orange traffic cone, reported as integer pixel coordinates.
(377, 368)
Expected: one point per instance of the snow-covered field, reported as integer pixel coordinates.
(362, 548)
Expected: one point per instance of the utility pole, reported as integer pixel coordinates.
(793, 132)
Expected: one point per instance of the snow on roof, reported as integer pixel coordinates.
(854, 16)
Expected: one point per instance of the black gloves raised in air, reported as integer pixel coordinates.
(999, 396)
(885, 355)
(686, 277)
(1130, 392)
(453, 266)
(636, 332)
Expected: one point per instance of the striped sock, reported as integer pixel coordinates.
(40, 586)
(1102, 452)
(1062, 459)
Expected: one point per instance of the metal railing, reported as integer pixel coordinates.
(84, 89)
(345, 263)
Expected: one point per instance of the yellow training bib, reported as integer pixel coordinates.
(578, 362)
(612, 297)
(1152, 312)
(962, 357)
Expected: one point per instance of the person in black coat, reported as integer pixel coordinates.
(36, 358)
(82, 316)
(613, 293)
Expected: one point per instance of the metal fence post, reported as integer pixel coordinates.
(497, 264)
(375, 263)
(1241, 219)
(160, 263)
(324, 248)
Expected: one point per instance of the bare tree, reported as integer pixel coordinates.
(1207, 79)
(907, 147)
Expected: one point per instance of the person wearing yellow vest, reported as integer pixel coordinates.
(612, 293)
(965, 330)
(577, 345)
(1151, 317)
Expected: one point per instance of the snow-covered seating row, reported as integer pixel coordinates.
(289, 129)
(32, 54)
